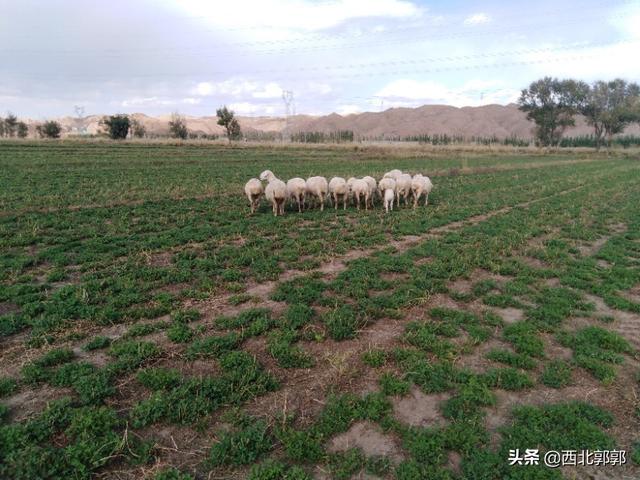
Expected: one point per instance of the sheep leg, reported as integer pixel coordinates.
(344, 202)
(426, 200)
(366, 201)
(321, 203)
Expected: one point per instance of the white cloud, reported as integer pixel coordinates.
(412, 93)
(158, 102)
(477, 19)
(238, 88)
(589, 64)
(348, 109)
(319, 88)
(248, 108)
(295, 15)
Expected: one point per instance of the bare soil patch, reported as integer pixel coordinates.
(419, 409)
(370, 438)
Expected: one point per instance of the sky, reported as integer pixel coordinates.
(344, 56)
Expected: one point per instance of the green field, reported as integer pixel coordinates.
(150, 327)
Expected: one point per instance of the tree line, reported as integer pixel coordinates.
(552, 104)
(120, 126)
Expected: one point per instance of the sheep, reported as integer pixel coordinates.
(359, 188)
(403, 188)
(318, 187)
(296, 190)
(338, 188)
(389, 195)
(254, 190)
(421, 185)
(393, 174)
(372, 187)
(385, 184)
(275, 192)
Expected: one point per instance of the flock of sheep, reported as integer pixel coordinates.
(393, 185)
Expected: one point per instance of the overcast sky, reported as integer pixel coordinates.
(345, 56)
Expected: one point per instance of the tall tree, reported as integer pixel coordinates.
(227, 119)
(610, 107)
(552, 104)
(178, 126)
(116, 126)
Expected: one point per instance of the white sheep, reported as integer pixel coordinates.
(338, 189)
(254, 190)
(372, 187)
(359, 189)
(296, 191)
(403, 188)
(385, 184)
(392, 174)
(318, 187)
(389, 195)
(275, 192)
(421, 185)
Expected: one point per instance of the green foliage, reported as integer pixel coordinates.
(178, 127)
(342, 322)
(524, 338)
(242, 378)
(213, 346)
(557, 374)
(49, 129)
(116, 126)
(226, 118)
(241, 447)
(273, 470)
(7, 386)
(508, 378)
(594, 348)
(392, 385)
(159, 378)
(172, 474)
(281, 346)
(374, 358)
(97, 343)
(515, 360)
(551, 104)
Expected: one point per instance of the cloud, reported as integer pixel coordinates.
(412, 93)
(238, 88)
(295, 15)
(248, 108)
(158, 102)
(477, 19)
(348, 109)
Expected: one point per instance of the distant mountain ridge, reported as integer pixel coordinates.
(501, 121)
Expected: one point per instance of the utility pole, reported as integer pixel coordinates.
(79, 109)
(289, 111)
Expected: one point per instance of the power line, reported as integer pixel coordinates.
(329, 70)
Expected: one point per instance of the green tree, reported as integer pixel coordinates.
(49, 129)
(178, 126)
(116, 126)
(10, 125)
(610, 107)
(552, 104)
(227, 119)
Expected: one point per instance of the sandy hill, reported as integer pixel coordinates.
(499, 120)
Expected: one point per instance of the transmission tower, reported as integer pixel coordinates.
(79, 109)
(289, 111)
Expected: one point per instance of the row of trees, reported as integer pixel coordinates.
(118, 127)
(609, 107)
(11, 127)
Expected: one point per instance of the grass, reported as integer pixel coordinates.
(125, 284)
